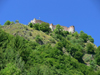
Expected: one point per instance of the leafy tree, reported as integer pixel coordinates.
(83, 36)
(31, 25)
(93, 64)
(10, 69)
(65, 33)
(90, 39)
(58, 29)
(44, 27)
(59, 45)
(17, 21)
(97, 55)
(89, 48)
(7, 22)
(12, 22)
(36, 26)
(75, 34)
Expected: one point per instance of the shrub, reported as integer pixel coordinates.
(52, 40)
(36, 26)
(90, 39)
(17, 21)
(58, 30)
(31, 25)
(7, 22)
(90, 48)
(83, 36)
(30, 34)
(75, 35)
(38, 39)
(44, 27)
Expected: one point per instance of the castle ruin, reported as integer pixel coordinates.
(69, 29)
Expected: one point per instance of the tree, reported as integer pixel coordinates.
(36, 26)
(12, 22)
(65, 33)
(59, 45)
(89, 48)
(75, 34)
(17, 21)
(44, 27)
(7, 22)
(10, 69)
(58, 30)
(31, 25)
(90, 39)
(97, 55)
(83, 36)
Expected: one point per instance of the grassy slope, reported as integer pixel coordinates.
(27, 32)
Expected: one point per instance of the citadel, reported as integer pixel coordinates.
(70, 29)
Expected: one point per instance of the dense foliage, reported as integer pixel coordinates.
(19, 56)
(43, 27)
(9, 22)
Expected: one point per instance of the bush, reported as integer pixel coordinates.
(90, 39)
(31, 25)
(89, 48)
(52, 40)
(83, 36)
(97, 55)
(36, 26)
(17, 21)
(75, 35)
(38, 39)
(44, 27)
(7, 23)
(58, 30)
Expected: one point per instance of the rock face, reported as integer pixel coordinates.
(70, 29)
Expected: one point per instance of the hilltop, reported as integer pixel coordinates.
(35, 49)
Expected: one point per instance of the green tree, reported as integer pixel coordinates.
(44, 27)
(65, 33)
(17, 21)
(7, 22)
(58, 29)
(83, 36)
(31, 25)
(10, 69)
(90, 39)
(89, 48)
(75, 35)
(12, 22)
(36, 26)
(97, 55)
(59, 45)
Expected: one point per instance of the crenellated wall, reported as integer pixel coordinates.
(70, 29)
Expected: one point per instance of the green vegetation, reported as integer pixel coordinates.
(35, 50)
(9, 22)
(41, 27)
(17, 21)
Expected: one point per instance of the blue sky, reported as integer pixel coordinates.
(83, 14)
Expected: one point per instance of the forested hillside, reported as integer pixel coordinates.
(36, 50)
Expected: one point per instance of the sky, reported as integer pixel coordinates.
(83, 14)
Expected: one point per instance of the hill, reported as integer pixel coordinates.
(36, 50)
(27, 32)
